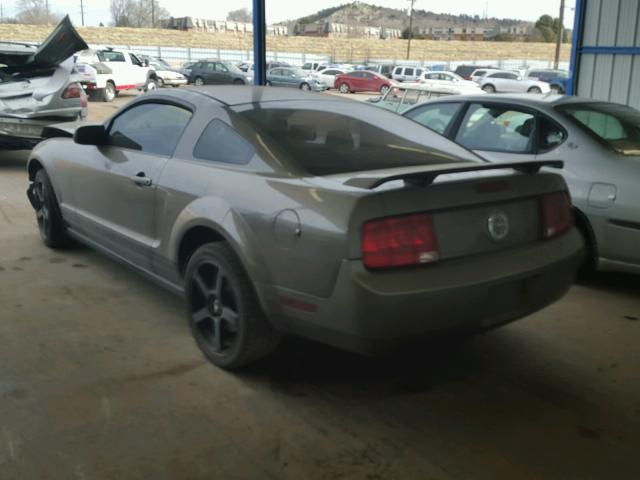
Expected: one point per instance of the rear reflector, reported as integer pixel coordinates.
(555, 214)
(399, 241)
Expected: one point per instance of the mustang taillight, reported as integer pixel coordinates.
(555, 214)
(399, 241)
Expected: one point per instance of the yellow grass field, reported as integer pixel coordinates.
(354, 50)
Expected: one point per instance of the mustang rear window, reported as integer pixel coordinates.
(327, 143)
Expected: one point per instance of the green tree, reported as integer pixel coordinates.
(547, 28)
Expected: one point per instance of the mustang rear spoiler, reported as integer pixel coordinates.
(425, 175)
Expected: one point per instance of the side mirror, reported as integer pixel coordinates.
(146, 62)
(90, 135)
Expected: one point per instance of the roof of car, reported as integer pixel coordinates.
(238, 95)
(519, 98)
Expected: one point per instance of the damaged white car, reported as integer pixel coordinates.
(39, 87)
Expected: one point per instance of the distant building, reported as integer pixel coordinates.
(194, 24)
(343, 30)
(518, 32)
(466, 33)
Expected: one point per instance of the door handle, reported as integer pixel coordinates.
(142, 180)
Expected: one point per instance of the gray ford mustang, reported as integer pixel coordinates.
(277, 211)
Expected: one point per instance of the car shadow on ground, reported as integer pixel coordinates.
(13, 159)
(413, 368)
(610, 281)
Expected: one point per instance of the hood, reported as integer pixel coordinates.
(61, 44)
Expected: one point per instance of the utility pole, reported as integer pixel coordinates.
(556, 63)
(410, 28)
(46, 9)
(153, 13)
(82, 11)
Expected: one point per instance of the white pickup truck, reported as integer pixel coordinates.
(106, 72)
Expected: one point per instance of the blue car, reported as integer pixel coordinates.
(558, 80)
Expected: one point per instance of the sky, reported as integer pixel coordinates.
(97, 11)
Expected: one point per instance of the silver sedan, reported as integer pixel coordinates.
(503, 81)
(599, 143)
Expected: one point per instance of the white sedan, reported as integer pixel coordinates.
(509, 82)
(327, 76)
(450, 80)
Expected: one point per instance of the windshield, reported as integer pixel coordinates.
(618, 126)
(327, 143)
(161, 63)
(233, 68)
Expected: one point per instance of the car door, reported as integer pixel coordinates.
(114, 187)
(210, 73)
(275, 77)
(498, 132)
(497, 80)
(138, 72)
(511, 84)
(290, 79)
(221, 74)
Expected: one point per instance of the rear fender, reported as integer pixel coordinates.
(215, 214)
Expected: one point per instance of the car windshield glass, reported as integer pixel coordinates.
(232, 68)
(161, 63)
(618, 126)
(110, 56)
(327, 143)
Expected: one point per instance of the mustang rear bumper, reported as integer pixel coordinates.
(372, 311)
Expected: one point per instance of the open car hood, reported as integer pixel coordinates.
(61, 44)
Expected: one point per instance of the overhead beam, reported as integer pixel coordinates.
(259, 43)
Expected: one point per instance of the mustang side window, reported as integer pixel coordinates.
(153, 128)
(220, 143)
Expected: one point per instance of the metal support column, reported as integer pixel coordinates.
(576, 44)
(259, 43)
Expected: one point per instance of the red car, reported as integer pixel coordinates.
(362, 81)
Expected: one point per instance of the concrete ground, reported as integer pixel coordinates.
(100, 379)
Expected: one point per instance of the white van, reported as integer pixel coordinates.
(407, 74)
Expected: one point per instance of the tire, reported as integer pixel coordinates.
(238, 81)
(268, 83)
(344, 88)
(223, 311)
(591, 248)
(159, 82)
(489, 88)
(50, 224)
(198, 81)
(557, 89)
(109, 92)
(305, 86)
(534, 90)
(384, 89)
(152, 84)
